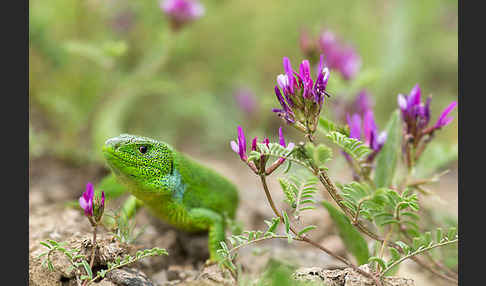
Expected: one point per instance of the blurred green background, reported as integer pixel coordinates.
(99, 68)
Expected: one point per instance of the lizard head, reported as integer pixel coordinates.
(137, 161)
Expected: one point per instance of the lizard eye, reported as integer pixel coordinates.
(142, 149)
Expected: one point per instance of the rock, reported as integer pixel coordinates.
(106, 282)
(129, 277)
(316, 274)
(214, 274)
(345, 277)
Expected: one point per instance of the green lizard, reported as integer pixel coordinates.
(173, 187)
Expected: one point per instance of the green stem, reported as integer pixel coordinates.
(263, 239)
(417, 253)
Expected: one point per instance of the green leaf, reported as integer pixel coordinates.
(320, 154)
(438, 235)
(387, 158)
(352, 239)
(87, 268)
(427, 238)
(353, 147)
(286, 222)
(403, 245)
(394, 254)
(380, 261)
(327, 126)
(46, 244)
(452, 233)
(306, 229)
(273, 225)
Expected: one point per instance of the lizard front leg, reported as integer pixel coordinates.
(214, 223)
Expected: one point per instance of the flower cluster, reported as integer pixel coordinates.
(339, 56)
(239, 147)
(93, 207)
(416, 118)
(181, 12)
(302, 98)
(416, 115)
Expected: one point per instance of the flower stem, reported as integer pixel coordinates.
(93, 250)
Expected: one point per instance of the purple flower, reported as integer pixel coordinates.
(86, 200)
(363, 102)
(246, 100)
(443, 119)
(366, 130)
(102, 203)
(282, 140)
(254, 144)
(302, 97)
(240, 148)
(181, 12)
(282, 143)
(286, 112)
(340, 57)
(354, 123)
(416, 114)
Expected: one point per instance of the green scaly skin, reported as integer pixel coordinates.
(174, 188)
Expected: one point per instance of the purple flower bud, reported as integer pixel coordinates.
(281, 137)
(284, 83)
(102, 203)
(181, 12)
(363, 102)
(354, 123)
(321, 81)
(282, 143)
(350, 63)
(86, 200)
(290, 74)
(240, 147)
(338, 56)
(369, 128)
(380, 141)
(402, 103)
(290, 146)
(241, 144)
(370, 131)
(305, 79)
(234, 146)
(443, 119)
(286, 112)
(266, 141)
(254, 144)
(246, 100)
(414, 97)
